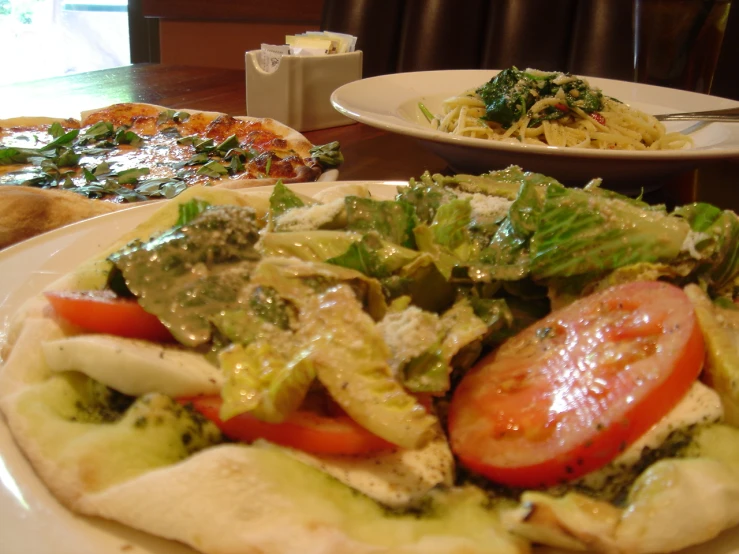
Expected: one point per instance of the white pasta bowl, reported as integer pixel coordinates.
(390, 102)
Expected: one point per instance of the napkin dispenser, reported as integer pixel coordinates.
(298, 92)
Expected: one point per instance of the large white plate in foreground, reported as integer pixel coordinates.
(31, 520)
(390, 102)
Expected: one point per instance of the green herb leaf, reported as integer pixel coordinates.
(197, 159)
(165, 117)
(88, 175)
(212, 169)
(125, 136)
(188, 140)
(161, 188)
(236, 165)
(68, 158)
(11, 155)
(102, 170)
(204, 145)
(56, 130)
(61, 140)
(180, 117)
(328, 155)
(130, 176)
(425, 111)
(190, 210)
(172, 115)
(228, 144)
(283, 199)
(98, 131)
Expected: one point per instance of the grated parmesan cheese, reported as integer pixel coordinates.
(309, 218)
(485, 207)
(408, 334)
(691, 241)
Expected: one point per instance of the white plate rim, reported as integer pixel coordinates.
(383, 115)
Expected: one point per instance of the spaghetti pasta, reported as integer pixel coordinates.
(552, 109)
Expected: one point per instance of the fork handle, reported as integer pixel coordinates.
(726, 114)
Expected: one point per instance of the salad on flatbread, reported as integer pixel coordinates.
(473, 364)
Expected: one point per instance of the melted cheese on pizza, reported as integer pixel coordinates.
(130, 152)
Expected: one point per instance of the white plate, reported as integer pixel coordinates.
(390, 102)
(31, 519)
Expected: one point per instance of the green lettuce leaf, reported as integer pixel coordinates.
(374, 257)
(311, 246)
(714, 244)
(579, 233)
(283, 199)
(263, 381)
(392, 220)
(192, 272)
(350, 359)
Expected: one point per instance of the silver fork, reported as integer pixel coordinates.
(727, 114)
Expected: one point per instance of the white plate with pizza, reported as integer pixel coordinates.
(283, 502)
(56, 171)
(391, 102)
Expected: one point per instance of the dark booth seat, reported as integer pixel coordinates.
(585, 37)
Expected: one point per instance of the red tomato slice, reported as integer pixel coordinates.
(303, 430)
(568, 394)
(103, 312)
(598, 117)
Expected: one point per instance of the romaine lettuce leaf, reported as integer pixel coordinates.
(392, 220)
(194, 271)
(350, 359)
(714, 243)
(579, 233)
(424, 347)
(264, 380)
(311, 246)
(283, 199)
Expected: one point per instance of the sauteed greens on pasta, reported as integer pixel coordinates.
(553, 109)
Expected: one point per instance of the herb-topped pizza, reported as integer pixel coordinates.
(133, 152)
(472, 365)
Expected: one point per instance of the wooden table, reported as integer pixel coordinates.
(370, 154)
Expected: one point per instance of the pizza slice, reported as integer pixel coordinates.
(134, 152)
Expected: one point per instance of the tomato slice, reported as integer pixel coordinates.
(598, 117)
(103, 312)
(568, 394)
(303, 430)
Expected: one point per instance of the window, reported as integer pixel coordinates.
(60, 37)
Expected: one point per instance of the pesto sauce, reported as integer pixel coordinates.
(98, 403)
(614, 483)
(191, 272)
(616, 480)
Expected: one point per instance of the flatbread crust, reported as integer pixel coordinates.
(231, 499)
(28, 211)
(227, 499)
